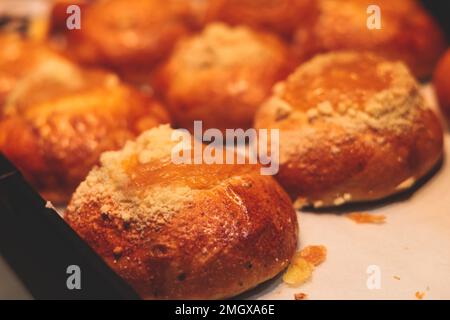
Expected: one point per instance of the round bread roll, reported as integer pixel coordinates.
(442, 83)
(17, 58)
(221, 76)
(58, 119)
(183, 231)
(130, 35)
(407, 32)
(281, 16)
(353, 127)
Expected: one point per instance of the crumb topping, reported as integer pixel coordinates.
(392, 108)
(224, 46)
(109, 185)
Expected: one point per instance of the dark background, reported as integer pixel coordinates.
(441, 10)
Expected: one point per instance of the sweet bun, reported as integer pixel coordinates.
(183, 231)
(17, 57)
(58, 119)
(441, 83)
(407, 32)
(281, 16)
(221, 76)
(353, 127)
(130, 35)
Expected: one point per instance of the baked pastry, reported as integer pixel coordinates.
(353, 127)
(58, 119)
(183, 231)
(407, 32)
(441, 83)
(17, 57)
(130, 35)
(281, 16)
(221, 76)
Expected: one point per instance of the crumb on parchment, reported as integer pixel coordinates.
(314, 254)
(302, 265)
(364, 217)
(300, 296)
(419, 295)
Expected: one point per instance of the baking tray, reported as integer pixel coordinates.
(40, 247)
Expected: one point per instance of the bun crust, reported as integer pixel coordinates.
(58, 119)
(353, 127)
(282, 16)
(408, 33)
(130, 35)
(17, 58)
(221, 76)
(441, 83)
(180, 231)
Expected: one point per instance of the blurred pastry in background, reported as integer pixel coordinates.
(441, 83)
(281, 16)
(18, 57)
(221, 76)
(183, 231)
(353, 127)
(27, 18)
(57, 118)
(407, 33)
(131, 36)
(59, 15)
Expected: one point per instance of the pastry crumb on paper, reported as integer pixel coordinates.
(364, 217)
(396, 277)
(302, 265)
(314, 254)
(300, 296)
(419, 295)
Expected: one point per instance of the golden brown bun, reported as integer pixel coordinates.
(282, 16)
(221, 76)
(130, 35)
(353, 127)
(58, 118)
(183, 231)
(408, 33)
(17, 58)
(442, 83)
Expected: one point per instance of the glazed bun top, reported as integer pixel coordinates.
(141, 185)
(357, 91)
(221, 47)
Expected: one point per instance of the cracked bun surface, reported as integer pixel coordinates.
(353, 127)
(441, 83)
(183, 231)
(58, 118)
(407, 33)
(221, 76)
